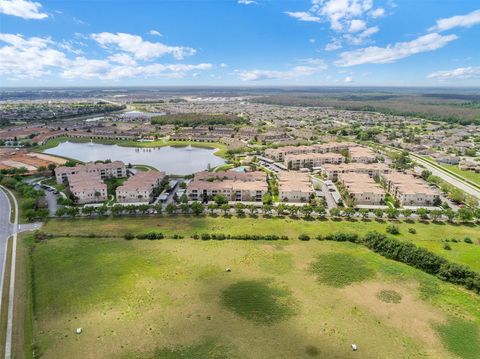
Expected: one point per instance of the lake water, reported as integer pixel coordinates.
(172, 160)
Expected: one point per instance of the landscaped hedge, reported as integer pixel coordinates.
(245, 237)
(423, 259)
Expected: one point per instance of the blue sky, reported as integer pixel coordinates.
(240, 42)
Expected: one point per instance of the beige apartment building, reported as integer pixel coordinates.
(409, 190)
(363, 189)
(371, 169)
(115, 169)
(139, 188)
(87, 187)
(235, 186)
(311, 160)
(294, 187)
(362, 154)
(279, 154)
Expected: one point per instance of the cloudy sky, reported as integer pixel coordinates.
(240, 42)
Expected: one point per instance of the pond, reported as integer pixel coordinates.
(172, 160)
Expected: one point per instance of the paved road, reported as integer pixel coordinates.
(449, 178)
(5, 232)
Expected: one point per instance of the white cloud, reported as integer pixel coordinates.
(315, 66)
(22, 8)
(155, 33)
(335, 44)
(139, 48)
(461, 73)
(391, 53)
(379, 12)
(467, 20)
(29, 58)
(246, 2)
(348, 79)
(360, 38)
(223, 65)
(339, 13)
(357, 25)
(312, 40)
(303, 16)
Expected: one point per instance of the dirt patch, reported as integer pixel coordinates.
(409, 315)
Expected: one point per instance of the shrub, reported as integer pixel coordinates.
(468, 240)
(393, 229)
(304, 237)
(205, 236)
(129, 236)
(151, 235)
(342, 237)
(447, 247)
(412, 230)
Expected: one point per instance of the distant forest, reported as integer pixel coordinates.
(197, 119)
(451, 108)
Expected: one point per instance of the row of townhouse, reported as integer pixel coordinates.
(362, 188)
(139, 188)
(235, 186)
(371, 169)
(279, 154)
(362, 154)
(115, 169)
(312, 160)
(408, 190)
(87, 187)
(294, 187)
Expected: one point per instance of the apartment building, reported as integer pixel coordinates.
(311, 160)
(362, 188)
(139, 188)
(294, 187)
(235, 186)
(371, 169)
(279, 154)
(362, 154)
(409, 190)
(115, 169)
(87, 187)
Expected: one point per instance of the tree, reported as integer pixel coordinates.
(349, 212)
(171, 208)
(197, 208)
(117, 210)
(144, 208)
(212, 207)
(449, 213)
(320, 210)
(364, 212)
(436, 214)
(281, 209)
(335, 212)
(159, 208)
(392, 213)
(407, 213)
(378, 212)
(225, 208)
(465, 214)
(267, 209)
(307, 210)
(102, 210)
(87, 210)
(220, 199)
(422, 213)
(293, 210)
(185, 208)
(239, 207)
(267, 198)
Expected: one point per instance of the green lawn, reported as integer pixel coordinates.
(174, 299)
(470, 175)
(429, 235)
(222, 148)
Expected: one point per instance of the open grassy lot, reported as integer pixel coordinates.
(428, 235)
(284, 299)
(470, 175)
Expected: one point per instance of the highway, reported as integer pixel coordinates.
(448, 177)
(5, 233)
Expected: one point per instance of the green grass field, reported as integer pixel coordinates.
(470, 175)
(285, 299)
(428, 235)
